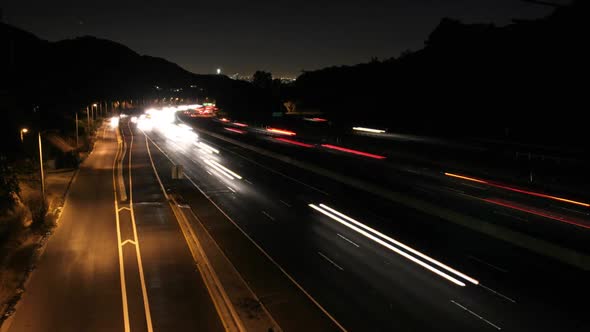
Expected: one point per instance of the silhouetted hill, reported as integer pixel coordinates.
(85, 67)
(524, 81)
(60, 77)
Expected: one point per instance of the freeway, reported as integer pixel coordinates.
(459, 280)
(556, 221)
(117, 261)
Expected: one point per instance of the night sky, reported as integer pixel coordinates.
(280, 36)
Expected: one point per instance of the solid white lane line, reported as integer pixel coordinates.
(146, 303)
(269, 257)
(488, 264)
(331, 261)
(389, 246)
(248, 182)
(285, 203)
(268, 215)
(213, 298)
(230, 188)
(498, 293)
(346, 239)
(208, 172)
(476, 315)
(415, 252)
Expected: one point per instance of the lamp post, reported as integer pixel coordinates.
(22, 132)
(77, 144)
(41, 166)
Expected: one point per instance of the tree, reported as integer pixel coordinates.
(8, 184)
(262, 79)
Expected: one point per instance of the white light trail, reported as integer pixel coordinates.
(369, 130)
(226, 169)
(207, 148)
(208, 162)
(389, 246)
(415, 252)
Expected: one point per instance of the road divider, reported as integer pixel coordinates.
(227, 288)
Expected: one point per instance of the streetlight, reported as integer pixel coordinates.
(218, 71)
(42, 173)
(77, 144)
(22, 132)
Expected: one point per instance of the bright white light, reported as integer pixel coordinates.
(218, 71)
(389, 246)
(184, 133)
(114, 122)
(207, 148)
(415, 252)
(208, 162)
(369, 130)
(134, 119)
(226, 169)
(145, 124)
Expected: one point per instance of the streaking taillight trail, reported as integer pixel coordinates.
(359, 153)
(522, 191)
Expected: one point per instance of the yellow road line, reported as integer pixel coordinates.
(146, 304)
(120, 249)
(207, 273)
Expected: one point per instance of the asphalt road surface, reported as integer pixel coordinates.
(362, 283)
(116, 265)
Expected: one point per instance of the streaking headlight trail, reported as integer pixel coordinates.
(382, 238)
(222, 169)
(369, 130)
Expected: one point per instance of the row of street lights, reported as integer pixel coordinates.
(23, 131)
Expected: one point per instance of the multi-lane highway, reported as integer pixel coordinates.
(369, 263)
(447, 184)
